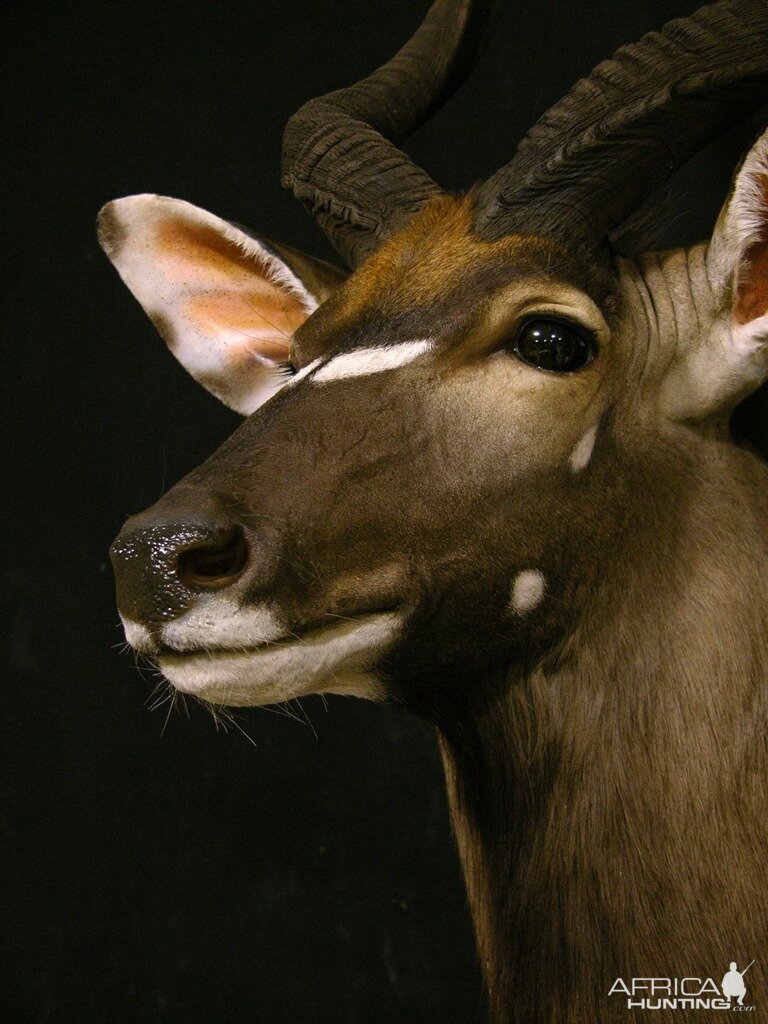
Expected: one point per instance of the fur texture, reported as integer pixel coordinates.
(567, 573)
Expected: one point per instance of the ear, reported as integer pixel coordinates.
(738, 258)
(226, 303)
(737, 266)
(730, 359)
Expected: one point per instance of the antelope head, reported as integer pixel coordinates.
(441, 446)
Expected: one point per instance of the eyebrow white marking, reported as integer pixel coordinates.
(527, 591)
(305, 371)
(364, 361)
(582, 453)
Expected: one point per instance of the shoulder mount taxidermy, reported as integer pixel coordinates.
(487, 475)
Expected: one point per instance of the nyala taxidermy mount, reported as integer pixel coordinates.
(486, 474)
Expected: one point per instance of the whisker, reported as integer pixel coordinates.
(233, 721)
(170, 709)
(306, 717)
(163, 699)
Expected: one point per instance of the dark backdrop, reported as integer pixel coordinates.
(161, 871)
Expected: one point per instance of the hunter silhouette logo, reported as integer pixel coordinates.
(733, 984)
(691, 993)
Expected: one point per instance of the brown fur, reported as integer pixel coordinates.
(611, 805)
(429, 277)
(605, 755)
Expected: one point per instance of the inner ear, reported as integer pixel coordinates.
(226, 303)
(229, 286)
(751, 291)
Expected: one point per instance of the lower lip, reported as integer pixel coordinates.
(169, 656)
(333, 658)
(208, 673)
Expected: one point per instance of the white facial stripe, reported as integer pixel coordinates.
(333, 660)
(137, 635)
(365, 361)
(527, 591)
(582, 453)
(217, 621)
(301, 374)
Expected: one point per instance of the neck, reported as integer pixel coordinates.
(610, 809)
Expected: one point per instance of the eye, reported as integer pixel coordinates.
(554, 345)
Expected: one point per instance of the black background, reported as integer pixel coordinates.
(161, 871)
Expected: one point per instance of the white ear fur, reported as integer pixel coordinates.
(743, 221)
(224, 302)
(737, 263)
(731, 359)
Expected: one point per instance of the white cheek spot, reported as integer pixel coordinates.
(527, 591)
(365, 361)
(582, 453)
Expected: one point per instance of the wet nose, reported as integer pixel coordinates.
(163, 566)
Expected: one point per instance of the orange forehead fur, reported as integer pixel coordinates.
(419, 264)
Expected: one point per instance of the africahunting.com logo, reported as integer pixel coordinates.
(686, 993)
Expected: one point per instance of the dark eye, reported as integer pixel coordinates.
(554, 345)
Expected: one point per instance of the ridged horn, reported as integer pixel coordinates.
(340, 154)
(617, 136)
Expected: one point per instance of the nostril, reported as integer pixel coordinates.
(213, 564)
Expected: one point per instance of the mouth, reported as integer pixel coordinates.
(331, 659)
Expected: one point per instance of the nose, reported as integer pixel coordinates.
(163, 565)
